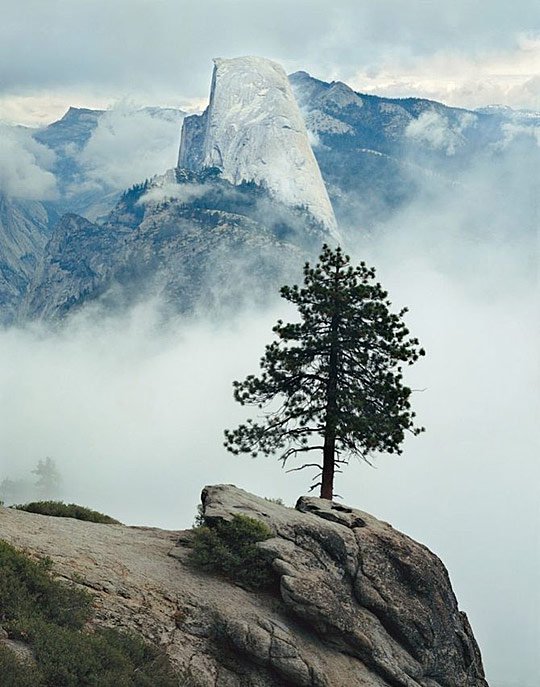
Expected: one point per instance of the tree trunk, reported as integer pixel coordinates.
(327, 483)
(329, 451)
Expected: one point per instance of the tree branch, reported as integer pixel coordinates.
(305, 465)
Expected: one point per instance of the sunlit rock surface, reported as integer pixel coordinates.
(357, 603)
(253, 130)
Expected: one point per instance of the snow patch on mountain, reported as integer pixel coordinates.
(253, 130)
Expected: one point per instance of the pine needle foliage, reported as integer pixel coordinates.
(332, 383)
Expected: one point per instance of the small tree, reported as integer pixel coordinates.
(48, 479)
(337, 374)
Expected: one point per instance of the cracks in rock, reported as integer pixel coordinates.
(339, 562)
(429, 646)
(390, 626)
(345, 641)
(330, 516)
(335, 635)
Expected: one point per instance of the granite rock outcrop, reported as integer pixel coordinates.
(357, 603)
(253, 130)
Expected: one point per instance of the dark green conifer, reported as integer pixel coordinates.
(331, 383)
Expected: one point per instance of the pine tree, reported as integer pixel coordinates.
(331, 383)
(48, 479)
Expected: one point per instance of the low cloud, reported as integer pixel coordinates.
(25, 165)
(507, 75)
(133, 410)
(184, 193)
(131, 144)
(435, 130)
(313, 138)
(515, 131)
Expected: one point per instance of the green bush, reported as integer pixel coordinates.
(230, 548)
(105, 658)
(17, 673)
(66, 510)
(27, 591)
(51, 617)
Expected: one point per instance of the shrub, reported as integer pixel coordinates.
(230, 548)
(50, 617)
(17, 673)
(27, 591)
(66, 510)
(106, 658)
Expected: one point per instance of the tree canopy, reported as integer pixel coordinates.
(332, 382)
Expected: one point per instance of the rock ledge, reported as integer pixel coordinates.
(360, 604)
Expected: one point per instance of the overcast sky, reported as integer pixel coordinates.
(94, 52)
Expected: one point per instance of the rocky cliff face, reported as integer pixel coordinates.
(24, 231)
(77, 264)
(190, 240)
(359, 604)
(82, 134)
(376, 154)
(252, 130)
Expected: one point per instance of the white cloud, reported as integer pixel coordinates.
(169, 191)
(25, 165)
(313, 138)
(131, 144)
(435, 130)
(455, 77)
(464, 53)
(40, 107)
(513, 131)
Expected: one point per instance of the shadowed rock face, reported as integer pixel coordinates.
(359, 604)
(24, 229)
(214, 246)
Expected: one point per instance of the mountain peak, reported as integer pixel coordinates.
(76, 112)
(253, 130)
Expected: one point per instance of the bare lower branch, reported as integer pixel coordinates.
(302, 449)
(305, 465)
